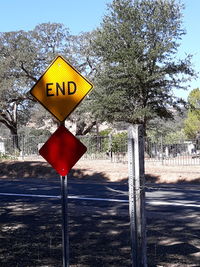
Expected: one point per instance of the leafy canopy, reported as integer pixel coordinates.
(23, 57)
(136, 46)
(192, 122)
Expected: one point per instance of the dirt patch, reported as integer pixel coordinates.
(101, 170)
(26, 169)
(172, 174)
(154, 172)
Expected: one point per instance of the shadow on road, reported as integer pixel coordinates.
(30, 229)
(31, 233)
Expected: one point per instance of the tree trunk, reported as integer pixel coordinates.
(82, 128)
(9, 119)
(13, 129)
(15, 139)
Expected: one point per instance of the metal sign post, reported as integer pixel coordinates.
(65, 234)
(62, 150)
(60, 90)
(137, 195)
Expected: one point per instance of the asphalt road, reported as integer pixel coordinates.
(30, 224)
(172, 195)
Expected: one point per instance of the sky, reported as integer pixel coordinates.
(85, 15)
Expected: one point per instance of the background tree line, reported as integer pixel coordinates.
(131, 58)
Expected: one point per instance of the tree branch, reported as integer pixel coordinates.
(89, 127)
(27, 73)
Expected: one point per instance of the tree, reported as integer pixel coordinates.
(167, 129)
(23, 57)
(136, 45)
(13, 103)
(85, 62)
(192, 122)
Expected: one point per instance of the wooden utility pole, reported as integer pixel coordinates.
(137, 195)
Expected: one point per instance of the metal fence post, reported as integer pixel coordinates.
(110, 147)
(137, 195)
(162, 157)
(23, 147)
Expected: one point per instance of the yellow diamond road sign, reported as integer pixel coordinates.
(61, 88)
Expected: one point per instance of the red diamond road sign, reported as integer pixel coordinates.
(62, 150)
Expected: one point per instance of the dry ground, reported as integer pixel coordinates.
(31, 231)
(103, 170)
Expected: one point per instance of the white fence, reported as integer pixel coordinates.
(110, 148)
